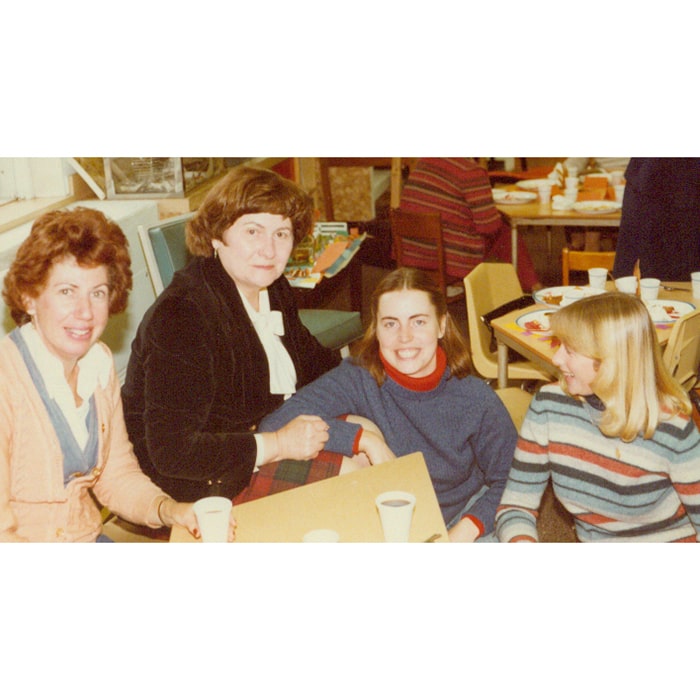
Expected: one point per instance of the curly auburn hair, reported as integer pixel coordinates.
(81, 233)
(248, 190)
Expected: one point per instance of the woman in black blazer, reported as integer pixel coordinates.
(223, 346)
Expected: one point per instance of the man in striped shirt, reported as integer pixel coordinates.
(473, 229)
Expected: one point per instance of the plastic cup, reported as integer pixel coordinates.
(695, 280)
(545, 193)
(626, 284)
(649, 288)
(619, 192)
(321, 536)
(597, 277)
(396, 512)
(212, 517)
(571, 183)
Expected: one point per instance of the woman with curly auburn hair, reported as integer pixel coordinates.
(615, 435)
(410, 378)
(86, 235)
(63, 441)
(223, 346)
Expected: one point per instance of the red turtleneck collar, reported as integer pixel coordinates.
(418, 383)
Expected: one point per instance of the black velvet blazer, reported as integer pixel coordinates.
(197, 382)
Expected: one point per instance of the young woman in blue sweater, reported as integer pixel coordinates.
(410, 376)
(615, 436)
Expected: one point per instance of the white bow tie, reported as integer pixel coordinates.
(270, 320)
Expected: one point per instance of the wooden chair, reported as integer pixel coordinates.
(584, 260)
(165, 252)
(682, 353)
(427, 228)
(488, 286)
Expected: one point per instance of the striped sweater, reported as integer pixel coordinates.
(460, 190)
(642, 491)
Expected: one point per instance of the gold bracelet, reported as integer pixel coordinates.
(160, 517)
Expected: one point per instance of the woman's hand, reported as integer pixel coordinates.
(464, 531)
(302, 438)
(171, 512)
(374, 446)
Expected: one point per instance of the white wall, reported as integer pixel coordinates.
(26, 178)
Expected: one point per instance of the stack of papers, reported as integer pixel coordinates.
(333, 246)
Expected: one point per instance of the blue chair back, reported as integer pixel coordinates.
(168, 243)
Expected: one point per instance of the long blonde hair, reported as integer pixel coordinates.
(632, 381)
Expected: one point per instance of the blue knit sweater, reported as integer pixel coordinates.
(461, 427)
(644, 490)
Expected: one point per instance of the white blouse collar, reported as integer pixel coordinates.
(269, 325)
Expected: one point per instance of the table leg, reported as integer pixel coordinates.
(514, 244)
(502, 349)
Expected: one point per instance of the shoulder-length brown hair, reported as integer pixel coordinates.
(248, 190)
(82, 233)
(616, 331)
(366, 350)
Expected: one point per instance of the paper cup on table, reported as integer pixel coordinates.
(571, 183)
(212, 517)
(649, 288)
(396, 512)
(597, 276)
(545, 193)
(619, 192)
(571, 195)
(321, 536)
(695, 280)
(626, 284)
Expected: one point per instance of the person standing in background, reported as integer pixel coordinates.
(660, 224)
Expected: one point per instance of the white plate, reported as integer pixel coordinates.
(512, 196)
(534, 184)
(535, 321)
(597, 207)
(554, 297)
(668, 310)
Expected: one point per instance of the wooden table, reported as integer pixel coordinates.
(540, 348)
(342, 503)
(538, 214)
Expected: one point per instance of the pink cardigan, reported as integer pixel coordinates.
(34, 503)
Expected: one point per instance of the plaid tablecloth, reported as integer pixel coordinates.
(288, 474)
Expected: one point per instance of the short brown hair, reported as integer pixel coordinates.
(248, 190)
(84, 234)
(366, 351)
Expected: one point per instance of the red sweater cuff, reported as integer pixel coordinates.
(356, 444)
(476, 521)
